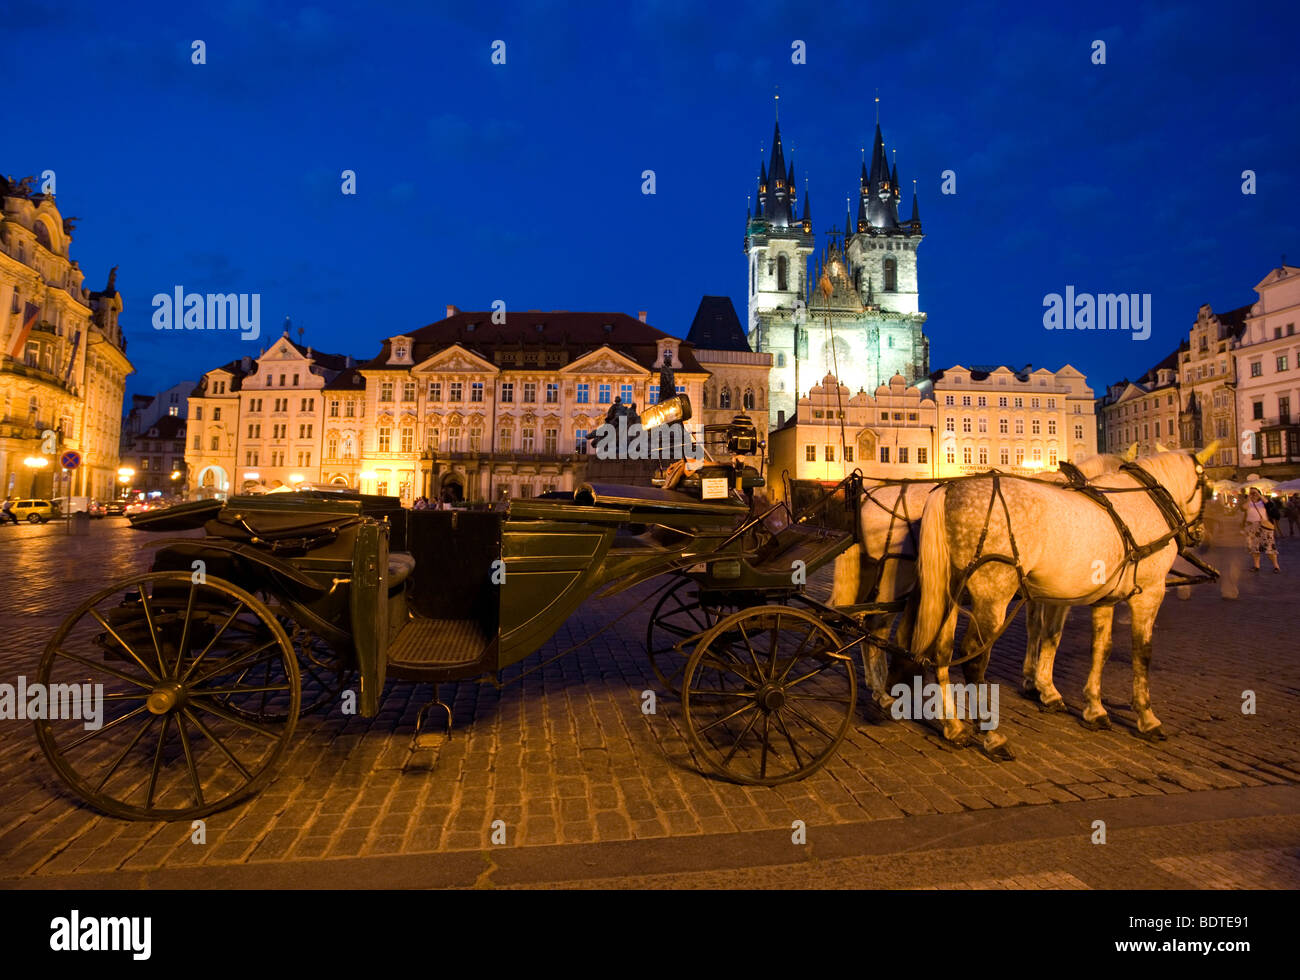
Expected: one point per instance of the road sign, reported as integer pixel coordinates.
(70, 460)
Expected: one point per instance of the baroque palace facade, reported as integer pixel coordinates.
(63, 363)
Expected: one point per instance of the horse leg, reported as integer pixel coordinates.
(954, 730)
(1033, 642)
(1144, 607)
(848, 576)
(988, 613)
(1053, 625)
(1094, 714)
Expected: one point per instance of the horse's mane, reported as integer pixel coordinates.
(1171, 471)
(1095, 466)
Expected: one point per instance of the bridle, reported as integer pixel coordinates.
(1180, 526)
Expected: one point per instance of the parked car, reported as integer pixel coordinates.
(97, 508)
(34, 511)
(73, 505)
(115, 508)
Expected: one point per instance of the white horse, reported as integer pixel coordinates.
(882, 566)
(991, 535)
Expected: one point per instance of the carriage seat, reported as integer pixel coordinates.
(400, 566)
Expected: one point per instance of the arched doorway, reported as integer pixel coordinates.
(339, 481)
(452, 489)
(213, 482)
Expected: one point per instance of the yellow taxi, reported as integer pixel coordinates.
(34, 511)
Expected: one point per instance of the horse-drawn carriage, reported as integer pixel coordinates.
(207, 661)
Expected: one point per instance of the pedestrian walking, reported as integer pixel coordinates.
(1293, 514)
(7, 512)
(1259, 528)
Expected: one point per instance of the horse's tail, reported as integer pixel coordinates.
(934, 571)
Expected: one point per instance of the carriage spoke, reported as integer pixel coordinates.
(59, 651)
(736, 744)
(771, 660)
(157, 762)
(231, 664)
(812, 673)
(125, 646)
(809, 721)
(719, 721)
(185, 629)
(99, 731)
(794, 747)
(750, 648)
(207, 732)
(817, 697)
(239, 607)
(234, 719)
(189, 759)
(794, 658)
(153, 631)
(762, 759)
(123, 754)
(207, 691)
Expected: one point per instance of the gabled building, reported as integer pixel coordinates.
(1015, 421)
(1268, 378)
(212, 430)
(1145, 411)
(1207, 395)
(889, 434)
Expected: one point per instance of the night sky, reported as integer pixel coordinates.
(522, 181)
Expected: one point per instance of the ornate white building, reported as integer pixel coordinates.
(1268, 377)
(857, 316)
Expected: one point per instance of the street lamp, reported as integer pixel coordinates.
(35, 464)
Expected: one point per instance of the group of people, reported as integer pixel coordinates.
(424, 503)
(1262, 518)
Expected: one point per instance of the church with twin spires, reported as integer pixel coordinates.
(855, 311)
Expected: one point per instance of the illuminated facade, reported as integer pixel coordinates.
(63, 363)
(857, 316)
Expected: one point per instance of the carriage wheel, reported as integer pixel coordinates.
(679, 615)
(767, 700)
(170, 662)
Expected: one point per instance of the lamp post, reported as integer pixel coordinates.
(124, 475)
(35, 464)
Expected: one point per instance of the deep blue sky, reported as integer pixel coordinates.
(522, 182)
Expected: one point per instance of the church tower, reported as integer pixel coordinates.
(778, 242)
(858, 314)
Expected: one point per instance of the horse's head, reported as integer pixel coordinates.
(1182, 476)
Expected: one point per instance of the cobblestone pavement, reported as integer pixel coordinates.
(567, 757)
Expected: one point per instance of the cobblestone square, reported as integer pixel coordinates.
(567, 761)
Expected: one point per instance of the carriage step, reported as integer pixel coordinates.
(438, 643)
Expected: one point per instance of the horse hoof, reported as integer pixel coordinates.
(959, 739)
(1029, 692)
(997, 750)
(1099, 724)
(1156, 734)
(884, 701)
(1052, 707)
